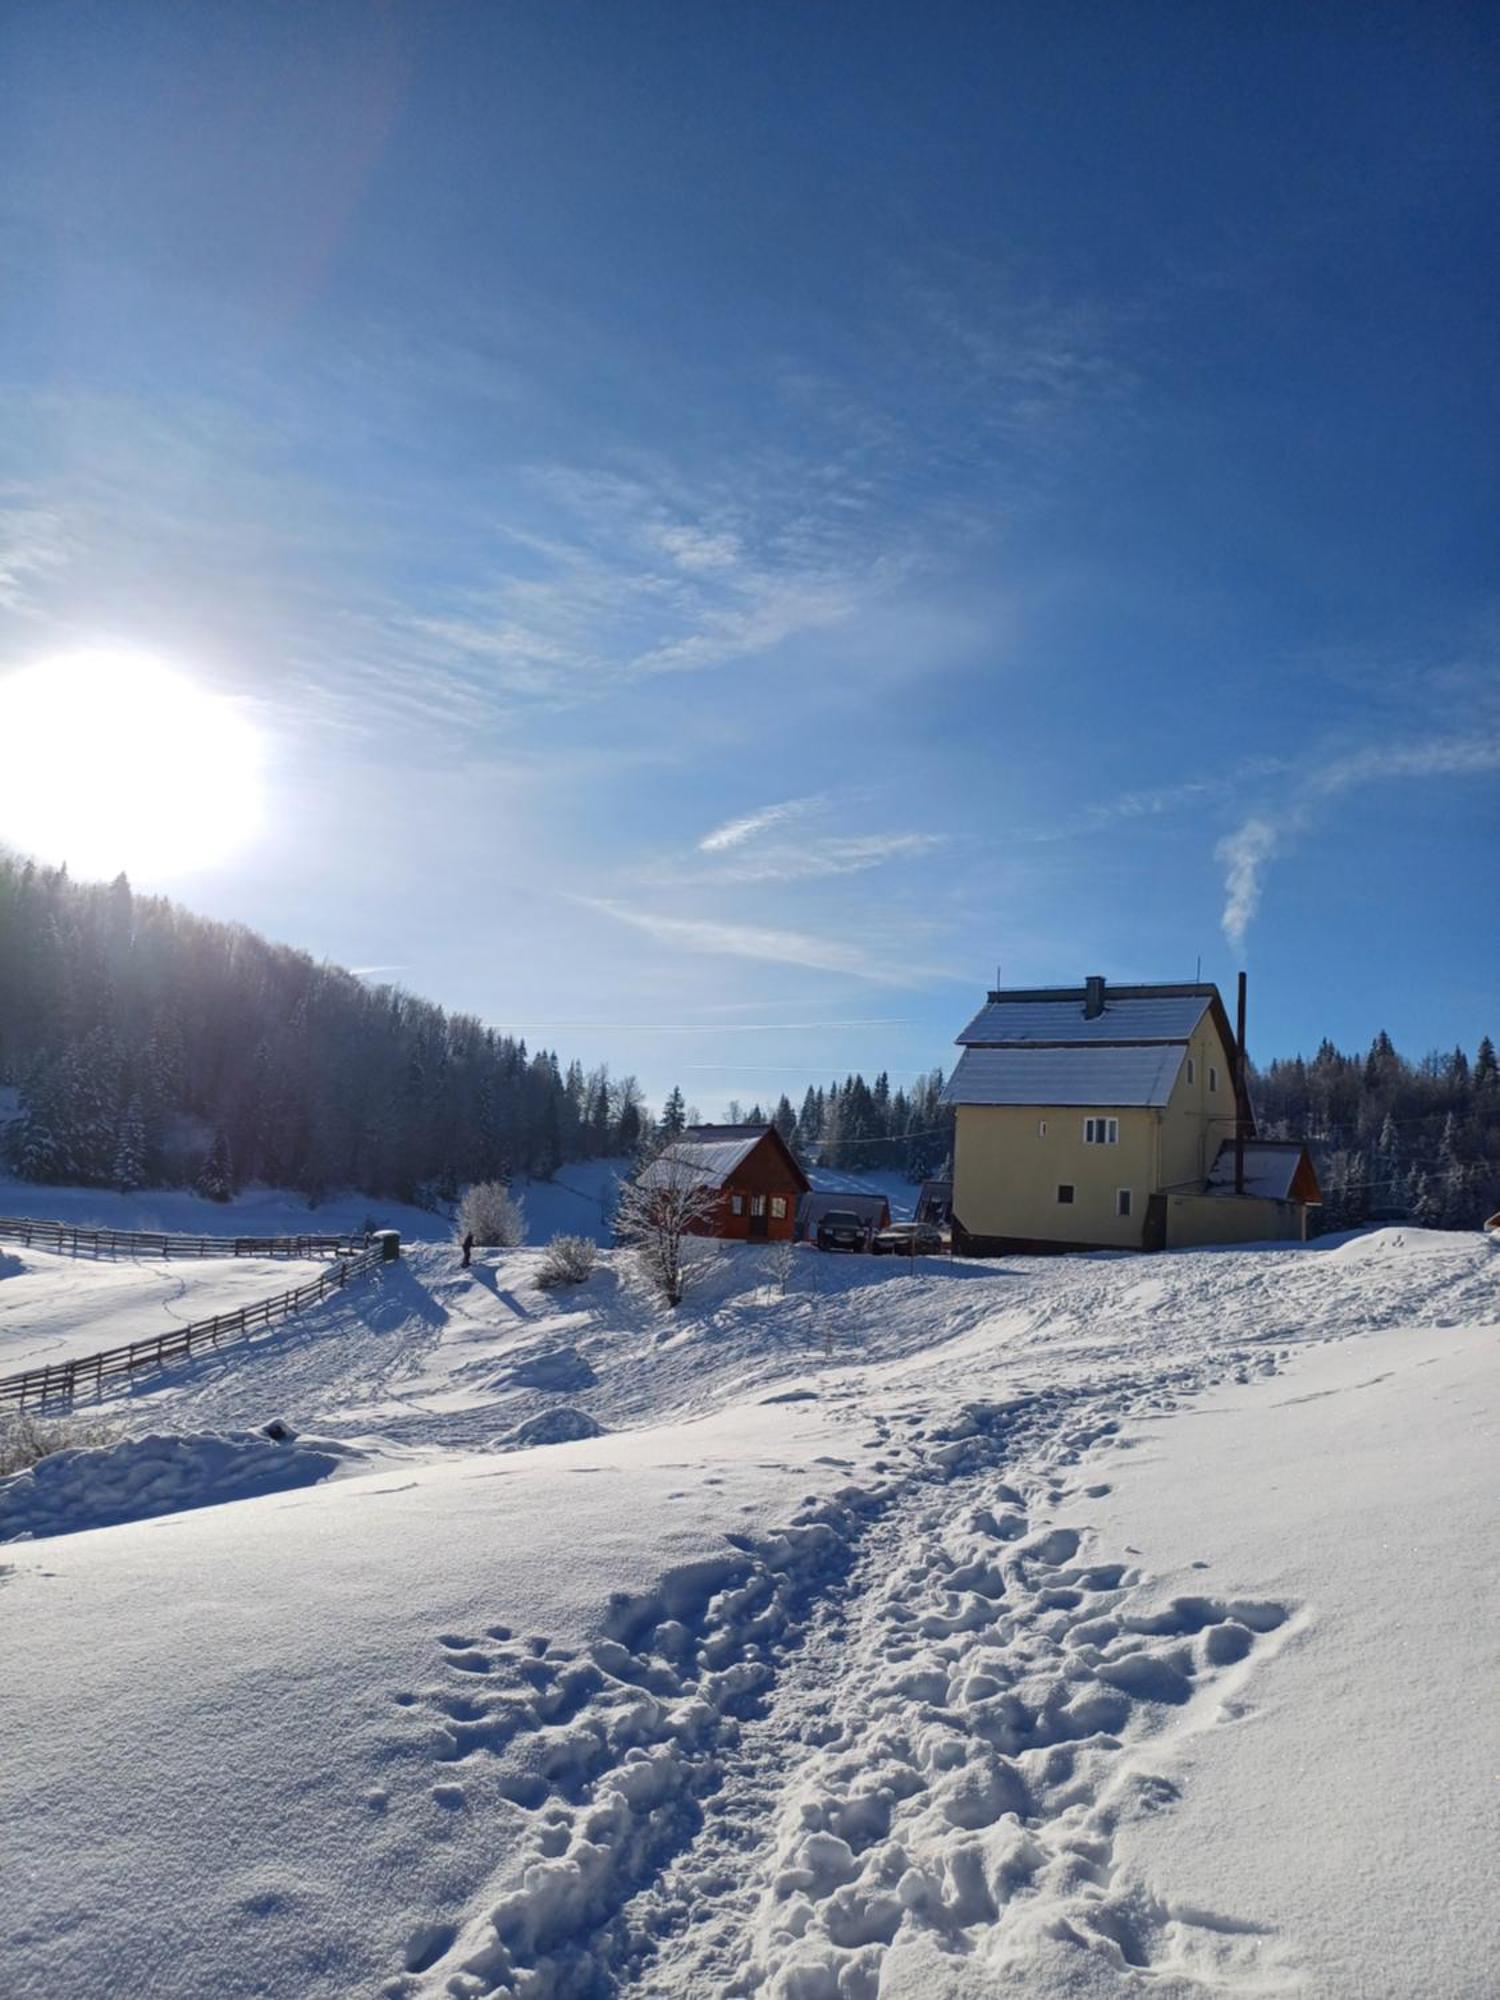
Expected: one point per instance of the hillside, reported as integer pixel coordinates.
(151, 1047)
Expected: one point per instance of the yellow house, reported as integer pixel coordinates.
(1106, 1118)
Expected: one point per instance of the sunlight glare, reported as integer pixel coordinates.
(110, 760)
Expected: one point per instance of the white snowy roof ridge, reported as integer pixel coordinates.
(1144, 1015)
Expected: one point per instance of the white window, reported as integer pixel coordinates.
(737, 1204)
(778, 1208)
(757, 1204)
(1101, 1131)
(1122, 1201)
(1041, 1128)
(1192, 1071)
(1213, 1077)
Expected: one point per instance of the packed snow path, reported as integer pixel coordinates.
(920, 1709)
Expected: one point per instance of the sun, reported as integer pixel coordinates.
(111, 760)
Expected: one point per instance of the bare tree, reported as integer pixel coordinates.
(783, 1261)
(658, 1213)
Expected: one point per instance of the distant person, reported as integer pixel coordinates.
(468, 1249)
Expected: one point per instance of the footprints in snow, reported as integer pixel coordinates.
(970, 1773)
(947, 1761)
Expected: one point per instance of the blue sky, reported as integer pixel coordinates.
(731, 523)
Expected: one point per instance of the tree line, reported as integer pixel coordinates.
(1394, 1140)
(151, 1047)
(854, 1126)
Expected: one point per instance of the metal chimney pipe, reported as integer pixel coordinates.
(1240, 1090)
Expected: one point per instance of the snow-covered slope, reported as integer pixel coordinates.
(975, 1629)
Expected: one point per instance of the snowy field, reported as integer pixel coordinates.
(57, 1307)
(1098, 1626)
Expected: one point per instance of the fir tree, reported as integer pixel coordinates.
(130, 1149)
(216, 1175)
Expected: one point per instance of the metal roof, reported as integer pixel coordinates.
(708, 1162)
(709, 1154)
(1082, 1076)
(1270, 1168)
(1024, 1018)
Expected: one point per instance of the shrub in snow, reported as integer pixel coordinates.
(24, 1441)
(488, 1213)
(569, 1261)
(660, 1213)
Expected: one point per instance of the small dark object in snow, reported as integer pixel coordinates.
(468, 1249)
(278, 1432)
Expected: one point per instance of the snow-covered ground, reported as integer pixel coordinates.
(1082, 1627)
(55, 1306)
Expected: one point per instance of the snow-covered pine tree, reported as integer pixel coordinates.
(130, 1149)
(216, 1175)
(1426, 1202)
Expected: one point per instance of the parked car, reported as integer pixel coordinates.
(841, 1229)
(907, 1239)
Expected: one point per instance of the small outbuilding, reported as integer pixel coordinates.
(873, 1210)
(752, 1169)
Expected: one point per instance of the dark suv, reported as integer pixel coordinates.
(841, 1229)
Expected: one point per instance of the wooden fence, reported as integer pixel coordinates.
(154, 1243)
(62, 1382)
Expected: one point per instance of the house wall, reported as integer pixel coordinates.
(1006, 1173)
(1196, 1120)
(1194, 1219)
(762, 1172)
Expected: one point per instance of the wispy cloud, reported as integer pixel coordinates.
(735, 832)
(1271, 832)
(32, 545)
(817, 859)
(816, 953)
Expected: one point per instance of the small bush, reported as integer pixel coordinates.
(489, 1214)
(569, 1260)
(24, 1440)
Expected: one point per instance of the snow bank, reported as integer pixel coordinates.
(103, 1485)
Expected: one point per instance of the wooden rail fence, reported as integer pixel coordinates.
(156, 1243)
(62, 1382)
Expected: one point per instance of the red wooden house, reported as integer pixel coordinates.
(754, 1173)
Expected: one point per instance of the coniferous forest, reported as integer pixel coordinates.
(149, 1047)
(152, 1047)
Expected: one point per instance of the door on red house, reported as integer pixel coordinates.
(759, 1225)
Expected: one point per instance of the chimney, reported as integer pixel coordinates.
(1093, 996)
(1239, 1092)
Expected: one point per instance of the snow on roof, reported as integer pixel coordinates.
(707, 1154)
(1131, 1014)
(1103, 1076)
(708, 1161)
(1270, 1168)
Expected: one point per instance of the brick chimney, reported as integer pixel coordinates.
(1093, 996)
